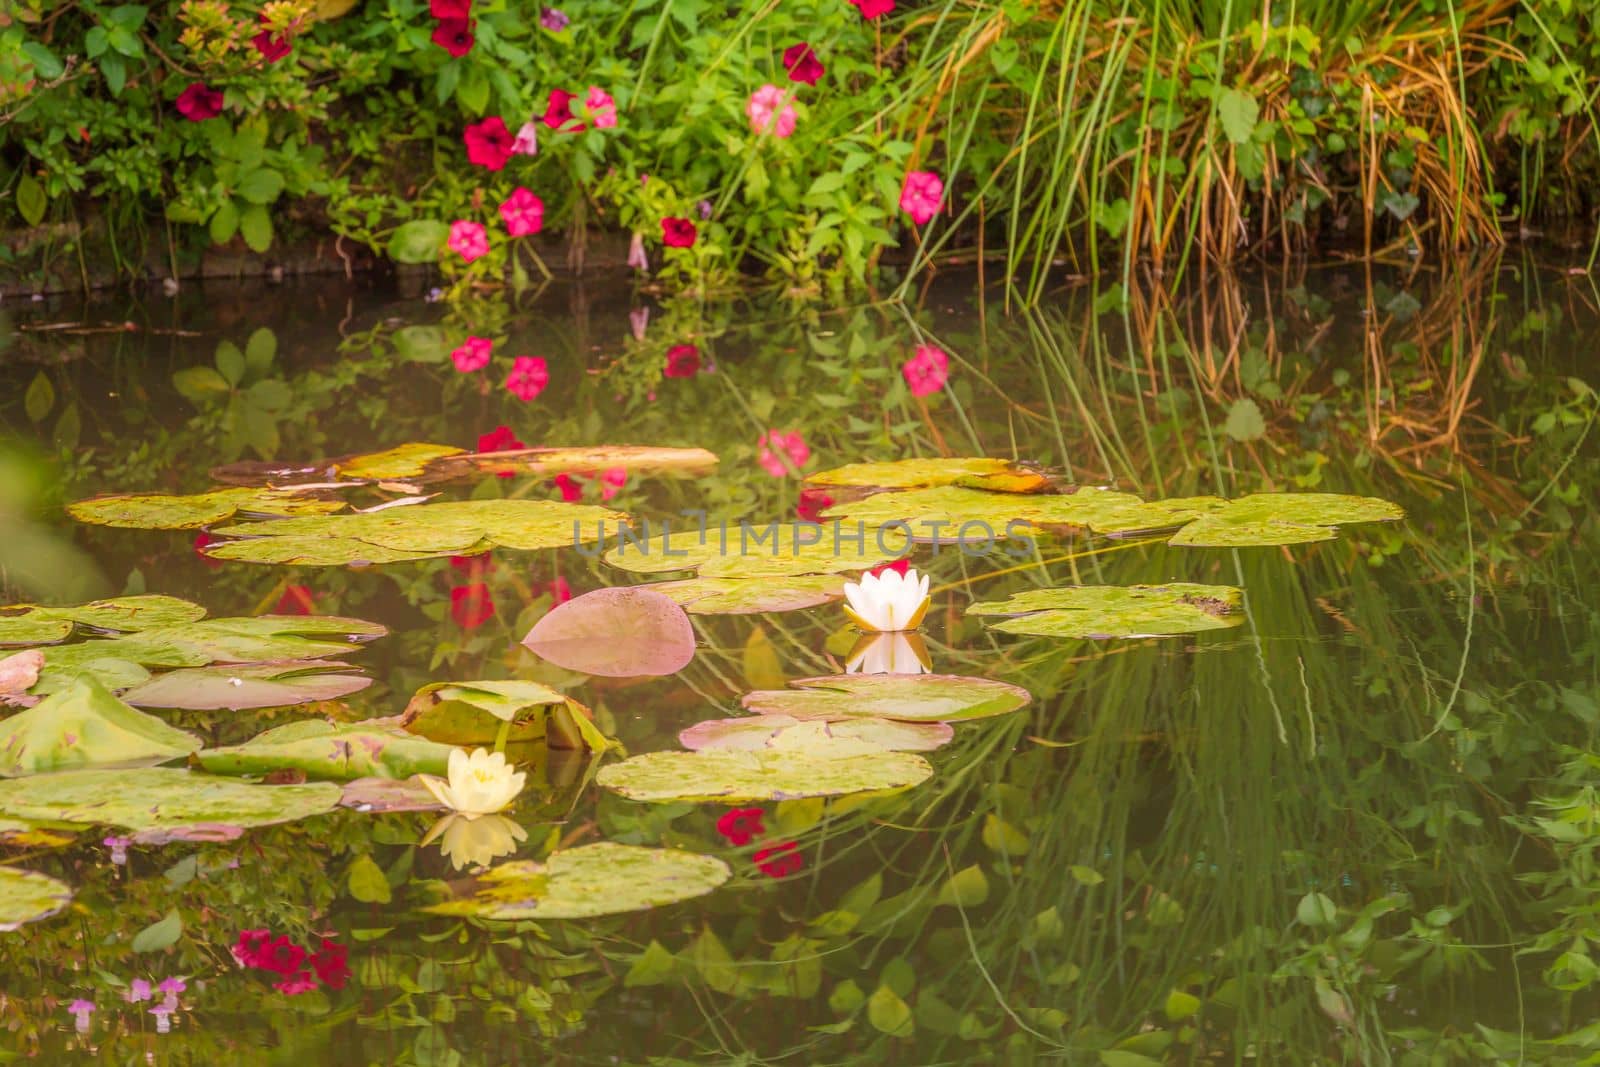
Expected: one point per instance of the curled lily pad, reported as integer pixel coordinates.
(747, 596)
(735, 777)
(403, 462)
(581, 883)
(18, 673)
(470, 713)
(159, 511)
(906, 697)
(1103, 611)
(152, 798)
(549, 462)
(754, 733)
(453, 527)
(86, 726)
(28, 896)
(950, 513)
(325, 751)
(983, 473)
(1283, 519)
(758, 551)
(249, 685)
(615, 633)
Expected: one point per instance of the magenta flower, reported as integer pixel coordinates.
(489, 143)
(527, 140)
(198, 103)
(331, 962)
(570, 488)
(683, 361)
(271, 46)
(302, 981)
(639, 318)
(922, 195)
(636, 257)
(811, 505)
(778, 452)
(80, 1010)
(473, 354)
(454, 36)
(558, 113)
(802, 64)
(469, 239)
(871, 9)
(450, 9)
(602, 108)
(769, 110)
(119, 845)
(138, 990)
(523, 212)
(553, 20)
(677, 233)
(611, 482)
(779, 861)
(704, 209)
(926, 371)
(171, 987)
(528, 377)
(741, 825)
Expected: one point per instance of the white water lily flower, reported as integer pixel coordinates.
(896, 653)
(888, 602)
(479, 784)
(475, 842)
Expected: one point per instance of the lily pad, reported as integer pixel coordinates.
(736, 777)
(754, 733)
(18, 673)
(40, 625)
(582, 883)
(388, 794)
(1283, 519)
(454, 527)
(950, 513)
(748, 596)
(471, 713)
(1104, 611)
(330, 752)
(403, 462)
(159, 511)
(249, 685)
(906, 697)
(25, 834)
(615, 633)
(549, 462)
(86, 726)
(154, 798)
(32, 629)
(28, 896)
(1002, 474)
(774, 550)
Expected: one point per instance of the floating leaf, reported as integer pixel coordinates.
(581, 883)
(752, 733)
(920, 473)
(86, 726)
(455, 527)
(401, 463)
(388, 794)
(616, 633)
(549, 462)
(25, 834)
(950, 513)
(19, 672)
(160, 798)
(906, 697)
(332, 752)
(470, 713)
(751, 551)
(734, 777)
(1105, 611)
(28, 896)
(32, 629)
(33, 624)
(158, 511)
(748, 596)
(250, 685)
(1284, 519)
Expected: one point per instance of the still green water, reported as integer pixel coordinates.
(1358, 828)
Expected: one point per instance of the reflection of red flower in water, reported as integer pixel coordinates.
(476, 566)
(471, 605)
(899, 566)
(300, 982)
(258, 948)
(811, 505)
(779, 861)
(201, 540)
(330, 962)
(741, 825)
(296, 600)
(560, 592)
(571, 488)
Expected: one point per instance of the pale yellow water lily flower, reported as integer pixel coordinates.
(888, 602)
(468, 841)
(480, 784)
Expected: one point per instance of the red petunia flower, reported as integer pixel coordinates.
(677, 233)
(296, 600)
(683, 361)
(500, 439)
(476, 566)
(450, 9)
(280, 955)
(558, 114)
(331, 963)
(454, 36)
(571, 488)
(248, 949)
(802, 64)
(811, 505)
(779, 861)
(488, 143)
(471, 605)
(741, 825)
(198, 103)
(871, 9)
(271, 46)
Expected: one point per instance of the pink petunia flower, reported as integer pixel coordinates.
(558, 114)
(527, 140)
(741, 825)
(471, 605)
(248, 950)
(119, 849)
(802, 64)
(454, 36)
(683, 361)
(677, 233)
(500, 439)
(472, 355)
(523, 212)
(602, 108)
(529, 375)
(469, 239)
(198, 103)
(871, 9)
(488, 142)
(553, 20)
(571, 488)
(450, 9)
(922, 195)
(776, 446)
(611, 482)
(779, 861)
(272, 47)
(639, 321)
(770, 111)
(926, 371)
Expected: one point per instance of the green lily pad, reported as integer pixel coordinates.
(920, 473)
(28, 896)
(159, 511)
(160, 798)
(455, 527)
(778, 550)
(549, 462)
(736, 777)
(32, 629)
(950, 513)
(1104, 611)
(86, 726)
(332, 752)
(398, 463)
(905, 697)
(754, 733)
(26, 834)
(1283, 519)
(39, 625)
(582, 883)
(748, 596)
(472, 713)
(249, 685)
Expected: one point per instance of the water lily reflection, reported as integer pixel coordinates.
(469, 842)
(889, 653)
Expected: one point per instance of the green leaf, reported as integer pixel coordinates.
(903, 697)
(967, 888)
(115, 70)
(1181, 1005)
(736, 777)
(256, 225)
(653, 966)
(224, 223)
(230, 362)
(600, 879)
(1245, 422)
(160, 799)
(1238, 111)
(261, 186)
(367, 881)
(45, 62)
(324, 750)
(199, 384)
(163, 933)
(157, 511)
(889, 1014)
(1101, 612)
(259, 352)
(28, 896)
(473, 91)
(40, 398)
(418, 241)
(1316, 910)
(31, 200)
(83, 726)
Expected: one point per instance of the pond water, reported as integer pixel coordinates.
(1350, 821)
